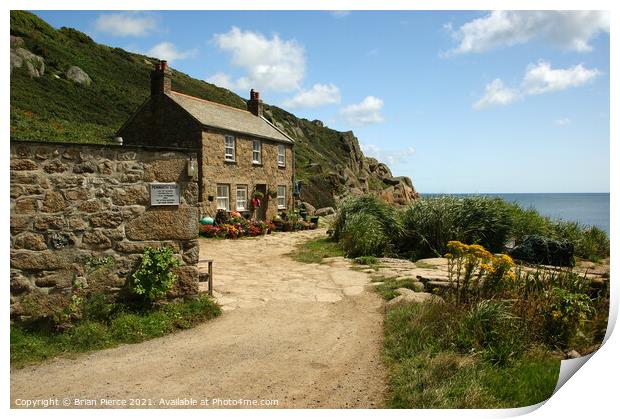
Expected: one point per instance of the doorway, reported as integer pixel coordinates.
(261, 212)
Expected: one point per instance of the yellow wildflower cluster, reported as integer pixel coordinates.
(458, 249)
(477, 258)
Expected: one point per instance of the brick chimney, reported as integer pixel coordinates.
(255, 105)
(161, 79)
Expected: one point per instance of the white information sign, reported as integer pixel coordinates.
(165, 193)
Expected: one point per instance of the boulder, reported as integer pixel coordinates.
(325, 211)
(76, 74)
(309, 208)
(34, 64)
(410, 296)
(542, 250)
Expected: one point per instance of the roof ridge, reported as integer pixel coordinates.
(209, 101)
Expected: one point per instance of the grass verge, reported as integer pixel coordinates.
(315, 250)
(32, 345)
(432, 364)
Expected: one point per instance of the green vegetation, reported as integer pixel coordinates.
(154, 278)
(367, 227)
(494, 340)
(104, 325)
(435, 366)
(367, 260)
(313, 251)
(389, 286)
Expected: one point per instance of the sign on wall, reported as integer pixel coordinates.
(165, 194)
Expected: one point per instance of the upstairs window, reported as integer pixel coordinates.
(223, 197)
(229, 148)
(281, 155)
(256, 151)
(281, 197)
(242, 198)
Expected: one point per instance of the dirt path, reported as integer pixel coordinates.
(306, 335)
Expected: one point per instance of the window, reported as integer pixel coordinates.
(256, 151)
(229, 148)
(242, 198)
(223, 197)
(281, 197)
(281, 155)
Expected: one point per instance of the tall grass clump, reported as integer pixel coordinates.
(430, 223)
(367, 227)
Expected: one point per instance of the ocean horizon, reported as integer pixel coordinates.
(588, 208)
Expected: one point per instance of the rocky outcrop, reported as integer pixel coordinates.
(76, 74)
(22, 58)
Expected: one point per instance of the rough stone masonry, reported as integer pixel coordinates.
(73, 205)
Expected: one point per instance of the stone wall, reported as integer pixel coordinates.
(72, 204)
(216, 170)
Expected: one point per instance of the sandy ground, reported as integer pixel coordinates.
(306, 335)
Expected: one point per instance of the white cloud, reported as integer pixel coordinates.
(389, 156)
(318, 95)
(167, 51)
(539, 78)
(496, 94)
(270, 64)
(367, 112)
(222, 80)
(562, 121)
(340, 13)
(569, 30)
(126, 23)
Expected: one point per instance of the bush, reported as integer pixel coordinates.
(154, 278)
(564, 312)
(430, 223)
(363, 235)
(385, 217)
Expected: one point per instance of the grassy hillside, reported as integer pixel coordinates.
(54, 108)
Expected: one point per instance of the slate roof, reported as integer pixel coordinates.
(215, 115)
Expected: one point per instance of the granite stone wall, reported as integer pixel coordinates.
(73, 206)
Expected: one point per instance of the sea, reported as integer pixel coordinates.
(585, 208)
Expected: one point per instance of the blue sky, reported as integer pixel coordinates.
(458, 101)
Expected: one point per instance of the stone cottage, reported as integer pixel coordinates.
(239, 151)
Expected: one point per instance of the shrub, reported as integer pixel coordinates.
(430, 223)
(385, 216)
(564, 312)
(154, 278)
(363, 235)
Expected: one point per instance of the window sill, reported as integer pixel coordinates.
(256, 163)
(281, 166)
(230, 161)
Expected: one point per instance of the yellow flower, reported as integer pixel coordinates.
(556, 314)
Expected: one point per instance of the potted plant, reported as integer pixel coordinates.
(272, 193)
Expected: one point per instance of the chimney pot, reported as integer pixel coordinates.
(255, 105)
(161, 78)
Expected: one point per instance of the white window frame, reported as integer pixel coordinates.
(257, 148)
(221, 196)
(281, 155)
(281, 196)
(244, 200)
(229, 148)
